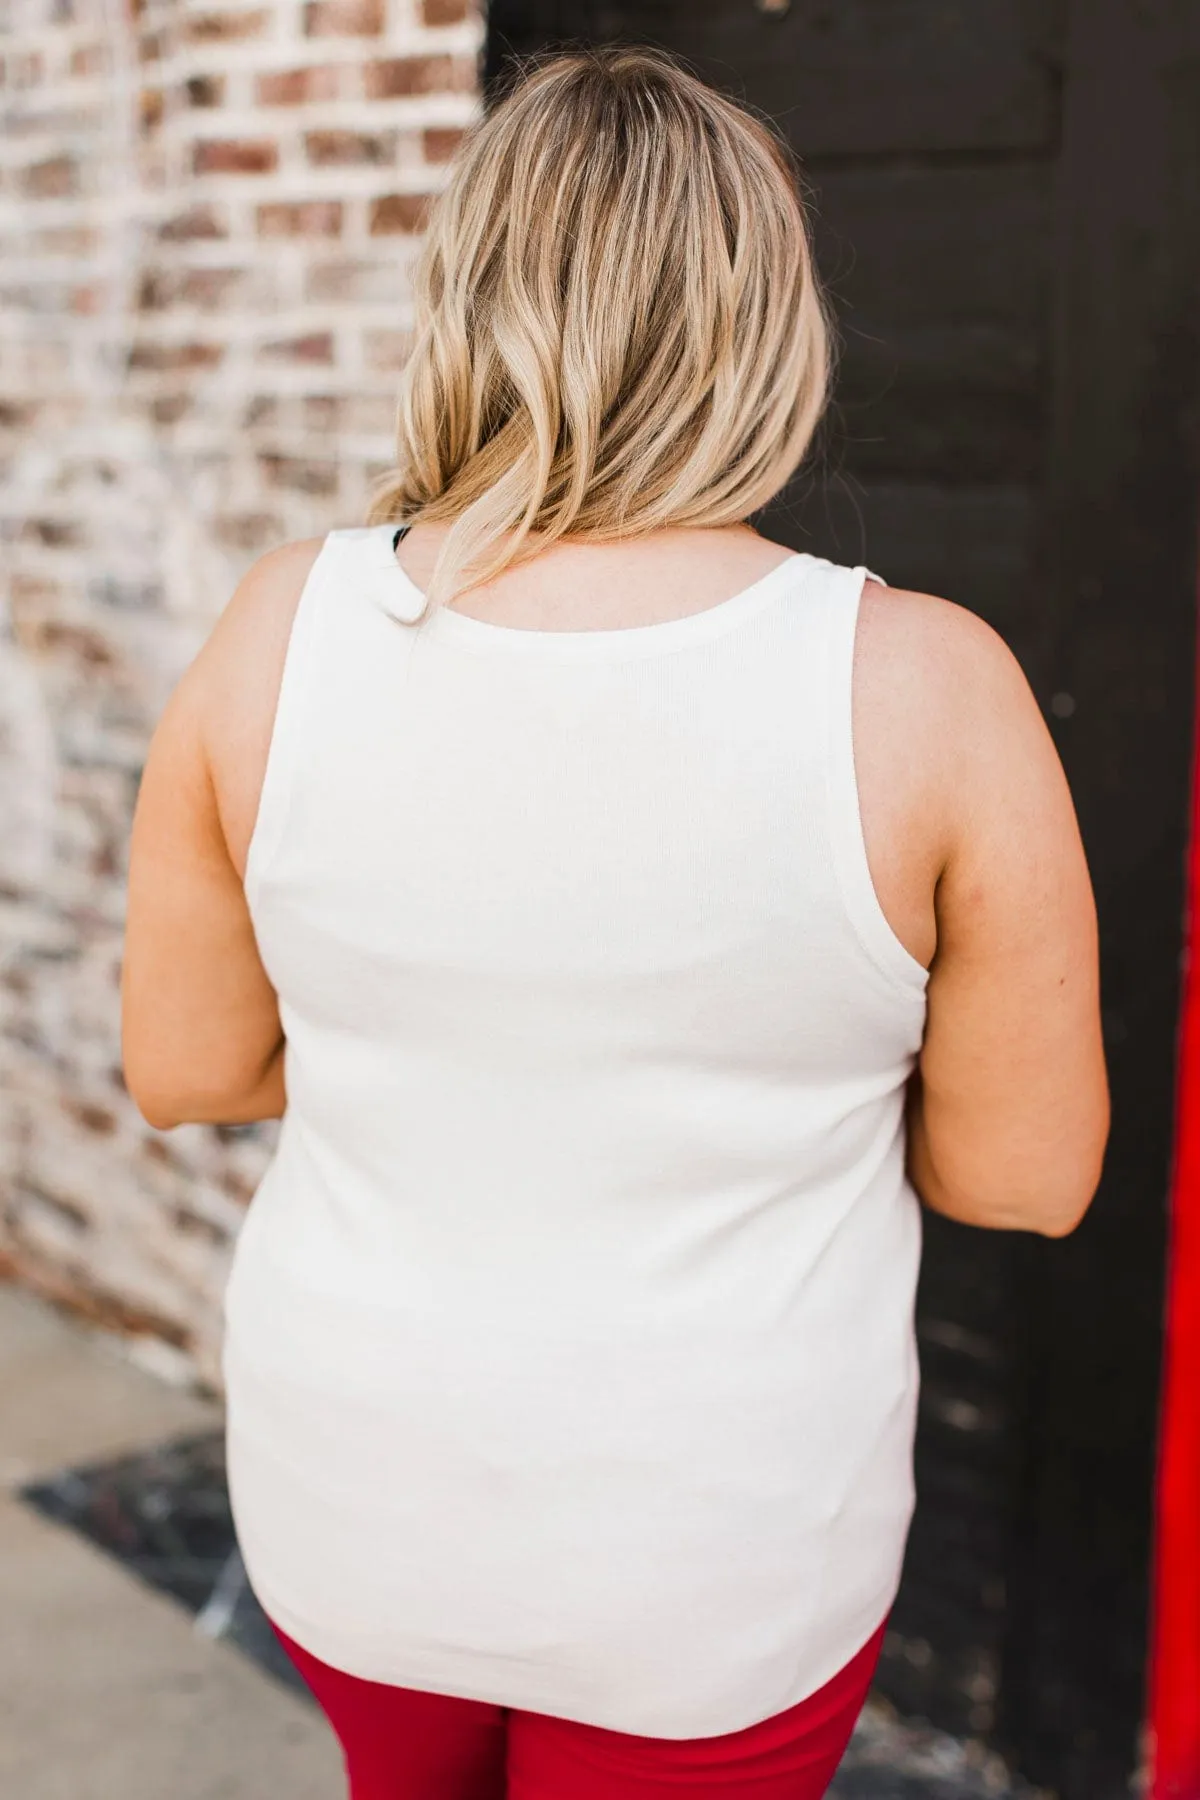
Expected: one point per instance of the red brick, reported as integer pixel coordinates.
(292, 87)
(398, 212)
(191, 1224)
(441, 142)
(196, 222)
(57, 534)
(261, 409)
(304, 475)
(225, 27)
(156, 290)
(322, 412)
(161, 357)
(168, 409)
(235, 156)
(342, 149)
(54, 179)
(88, 646)
(89, 59)
(314, 347)
(66, 240)
(35, 591)
(204, 90)
(238, 1186)
(300, 218)
(247, 531)
(398, 76)
(446, 12)
(25, 71)
(208, 289)
(343, 18)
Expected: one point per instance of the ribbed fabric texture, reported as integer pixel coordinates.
(570, 1355)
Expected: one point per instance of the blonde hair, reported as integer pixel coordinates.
(618, 323)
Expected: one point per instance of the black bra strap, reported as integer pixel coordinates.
(404, 529)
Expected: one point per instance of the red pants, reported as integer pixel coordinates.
(403, 1745)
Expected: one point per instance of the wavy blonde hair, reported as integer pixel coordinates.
(618, 322)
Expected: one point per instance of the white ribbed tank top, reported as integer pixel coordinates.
(570, 1355)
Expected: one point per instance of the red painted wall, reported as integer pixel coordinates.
(1175, 1655)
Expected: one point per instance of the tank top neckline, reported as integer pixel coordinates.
(485, 635)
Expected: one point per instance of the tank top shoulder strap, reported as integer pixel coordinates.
(837, 591)
(365, 556)
(354, 574)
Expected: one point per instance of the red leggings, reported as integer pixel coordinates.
(404, 1745)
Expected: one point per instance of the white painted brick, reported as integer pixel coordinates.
(132, 497)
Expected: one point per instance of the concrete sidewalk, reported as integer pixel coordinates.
(107, 1691)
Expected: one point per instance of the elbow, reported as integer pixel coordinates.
(1066, 1210)
(1069, 1206)
(165, 1105)
(154, 1101)
(164, 1111)
(145, 1072)
(1044, 1184)
(1047, 1207)
(161, 1108)
(1060, 1220)
(1046, 1214)
(160, 1118)
(172, 1085)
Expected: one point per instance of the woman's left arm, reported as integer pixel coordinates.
(201, 1037)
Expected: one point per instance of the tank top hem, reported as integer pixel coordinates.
(393, 1671)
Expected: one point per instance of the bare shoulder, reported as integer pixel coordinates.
(245, 651)
(264, 602)
(938, 675)
(944, 719)
(934, 643)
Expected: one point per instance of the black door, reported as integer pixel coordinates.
(1007, 209)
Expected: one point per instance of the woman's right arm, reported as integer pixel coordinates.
(1009, 1110)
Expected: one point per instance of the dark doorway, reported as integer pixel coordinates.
(1007, 208)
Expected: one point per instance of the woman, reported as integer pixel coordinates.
(640, 917)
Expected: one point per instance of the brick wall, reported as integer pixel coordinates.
(207, 217)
